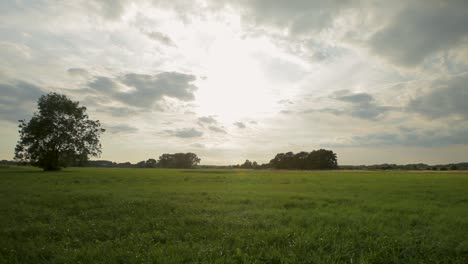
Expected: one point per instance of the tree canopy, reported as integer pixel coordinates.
(315, 160)
(59, 134)
(178, 160)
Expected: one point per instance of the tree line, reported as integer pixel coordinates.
(321, 159)
(177, 160)
(418, 166)
(315, 160)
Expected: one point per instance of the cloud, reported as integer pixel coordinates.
(362, 105)
(118, 111)
(285, 102)
(207, 120)
(17, 99)
(298, 17)
(197, 145)
(422, 29)
(405, 33)
(109, 9)
(160, 37)
(440, 98)
(217, 129)
(121, 129)
(240, 125)
(445, 97)
(185, 133)
(17, 50)
(104, 84)
(146, 90)
(359, 98)
(153, 87)
(409, 137)
(359, 105)
(78, 72)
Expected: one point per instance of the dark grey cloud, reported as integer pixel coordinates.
(413, 30)
(17, 99)
(421, 29)
(150, 88)
(185, 133)
(212, 124)
(104, 84)
(296, 16)
(217, 129)
(78, 72)
(359, 105)
(440, 98)
(104, 105)
(146, 89)
(121, 129)
(160, 37)
(240, 124)
(363, 105)
(359, 98)
(207, 120)
(445, 98)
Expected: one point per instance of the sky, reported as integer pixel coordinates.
(375, 81)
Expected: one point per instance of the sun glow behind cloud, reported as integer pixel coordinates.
(232, 84)
(235, 86)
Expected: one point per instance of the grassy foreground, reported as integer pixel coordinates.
(91, 215)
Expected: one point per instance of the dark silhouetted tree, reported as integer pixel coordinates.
(301, 160)
(255, 165)
(178, 160)
(247, 164)
(322, 159)
(151, 163)
(141, 164)
(166, 161)
(58, 135)
(315, 160)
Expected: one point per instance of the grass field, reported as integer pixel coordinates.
(90, 215)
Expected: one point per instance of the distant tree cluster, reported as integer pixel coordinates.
(177, 160)
(418, 166)
(108, 163)
(249, 165)
(316, 160)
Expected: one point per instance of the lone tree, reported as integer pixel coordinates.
(58, 135)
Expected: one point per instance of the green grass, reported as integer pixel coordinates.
(90, 215)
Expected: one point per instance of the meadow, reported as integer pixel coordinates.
(115, 215)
